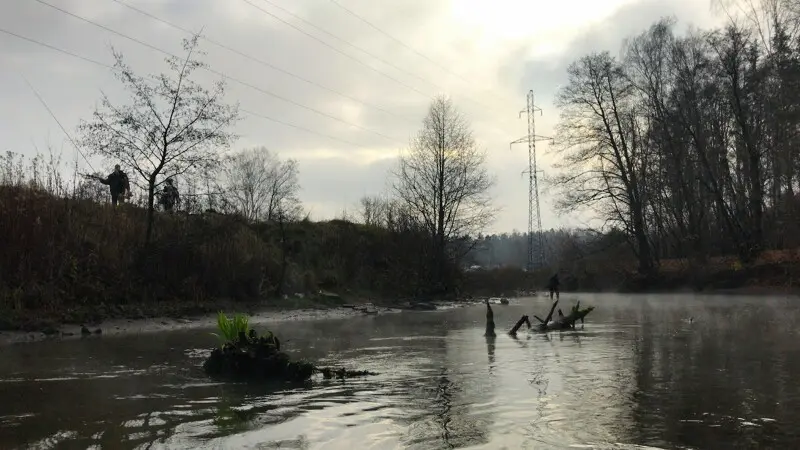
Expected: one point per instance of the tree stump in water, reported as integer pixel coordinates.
(518, 325)
(489, 321)
(260, 359)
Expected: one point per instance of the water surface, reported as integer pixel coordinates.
(639, 374)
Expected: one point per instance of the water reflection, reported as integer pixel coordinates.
(639, 372)
(725, 372)
(490, 352)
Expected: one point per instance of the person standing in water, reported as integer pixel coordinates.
(553, 286)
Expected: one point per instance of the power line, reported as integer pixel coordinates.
(59, 123)
(378, 29)
(101, 64)
(426, 95)
(216, 72)
(412, 49)
(67, 52)
(257, 60)
(368, 53)
(357, 47)
(308, 130)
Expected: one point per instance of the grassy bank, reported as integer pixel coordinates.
(69, 260)
(774, 272)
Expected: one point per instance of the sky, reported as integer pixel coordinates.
(339, 94)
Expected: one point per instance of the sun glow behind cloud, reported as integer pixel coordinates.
(539, 21)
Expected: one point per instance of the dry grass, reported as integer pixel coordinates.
(69, 257)
(720, 263)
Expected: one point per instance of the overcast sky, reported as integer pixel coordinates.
(484, 54)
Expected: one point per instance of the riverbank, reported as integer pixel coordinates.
(46, 319)
(178, 316)
(72, 260)
(774, 273)
(157, 323)
(135, 319)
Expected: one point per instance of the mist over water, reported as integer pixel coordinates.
(639, 374)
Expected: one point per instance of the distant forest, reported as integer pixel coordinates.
(505, 250)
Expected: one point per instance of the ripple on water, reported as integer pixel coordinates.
(198, 353)
(12, 420)
(620, 385)
(54, 440)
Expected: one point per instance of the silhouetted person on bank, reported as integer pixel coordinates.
(169, 196)
(118, 184)
(553, 286)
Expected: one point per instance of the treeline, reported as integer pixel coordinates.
(239, 231)
(511, 249)
(689, 143)
(68, 256)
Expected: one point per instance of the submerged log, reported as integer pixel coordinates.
(518, 325)
(260, 359)
(561, 323)
(566, 322)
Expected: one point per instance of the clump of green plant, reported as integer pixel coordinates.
(246, 354)
(229, 328)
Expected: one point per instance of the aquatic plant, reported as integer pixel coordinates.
(246, 355)
(230, 329)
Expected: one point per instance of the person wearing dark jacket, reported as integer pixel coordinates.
(118, 184)
(552, 286)
(169, 196)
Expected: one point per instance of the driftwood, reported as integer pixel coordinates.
(518, 325)
(561, 323)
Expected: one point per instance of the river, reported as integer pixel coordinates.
(639, 374)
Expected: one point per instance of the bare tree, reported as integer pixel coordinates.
(261, 185)
(443, 179)
(172, 126)
(691, 142)
(373, 210)
(601, 141)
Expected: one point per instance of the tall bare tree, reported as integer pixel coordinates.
(261, 185)
(443, 180)
(172, 125)
(601, 141)
(698, 132)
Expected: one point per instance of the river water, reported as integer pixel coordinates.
(639, 374)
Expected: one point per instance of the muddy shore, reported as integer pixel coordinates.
(170, 317)
(207, 319)
(159, 324)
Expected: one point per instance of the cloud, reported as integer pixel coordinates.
(485, 58)
(335, 182)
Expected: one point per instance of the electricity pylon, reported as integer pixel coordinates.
(535, 258)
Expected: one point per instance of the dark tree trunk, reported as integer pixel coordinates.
(642, 242)
(284, 254)
(151, 194)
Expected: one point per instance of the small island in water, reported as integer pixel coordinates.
(244, 355)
